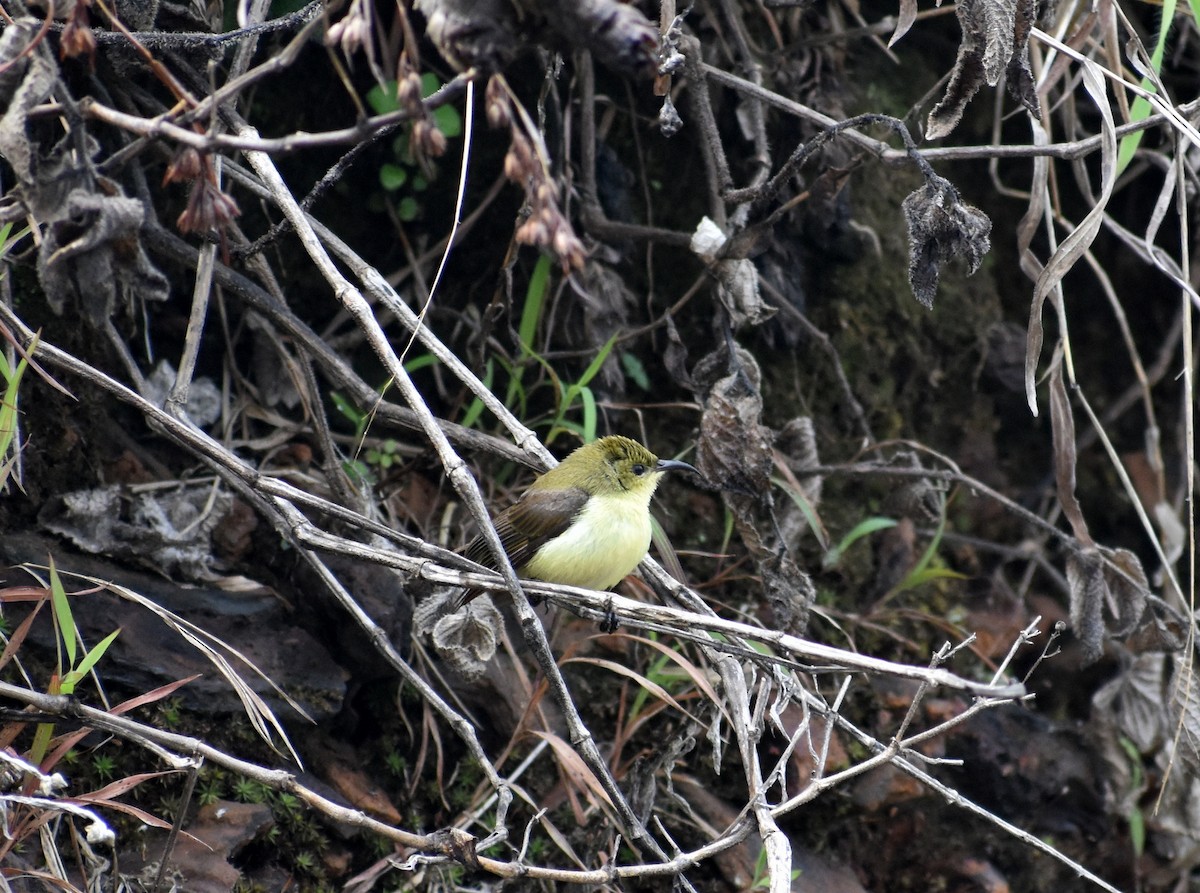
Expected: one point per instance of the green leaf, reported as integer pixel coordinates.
(41, 740)
(424, 361)
(594, 366)
(559, 427)
(589, 415)
(382, 99)
(1137, 831)
(8, 408)
(807, 509)
(63, 618)
(514, 395)
(359, 472)
(8, 242)
(448, 120)
(408, 210)
(1140, 109)
(916, 577)
(919, 573)
(1136, 774)
(347, 409)
(475, 410)
(861, 529)
(392, 176)
(535, 296)
(636, 372)
(578, 390)
(89, 660)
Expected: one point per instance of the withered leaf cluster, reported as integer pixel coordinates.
(90, 249)
(941, 226)
(735, 453)
(489, 34)
(995, 43)
(1100, 579)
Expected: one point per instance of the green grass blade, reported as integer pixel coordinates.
(918, 574)
(807, 509)
(8, 408)
(580, 390)
(475, 410)
(861, 529)
(535, 300)
(423, 361)
(1140, 109)
(594, 366)
(63, 618)
(589, 415)
(73, 678)
(926, 575)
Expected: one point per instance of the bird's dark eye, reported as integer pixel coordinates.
(639, 469)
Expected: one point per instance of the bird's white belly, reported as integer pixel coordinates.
(607, 541)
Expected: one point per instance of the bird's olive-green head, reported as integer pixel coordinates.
(608, 467)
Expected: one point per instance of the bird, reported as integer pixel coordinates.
(585, 522)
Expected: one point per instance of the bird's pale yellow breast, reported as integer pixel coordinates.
(608, 539)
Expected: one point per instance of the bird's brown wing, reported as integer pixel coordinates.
(525, 526)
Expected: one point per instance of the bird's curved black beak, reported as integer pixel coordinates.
(674, 465)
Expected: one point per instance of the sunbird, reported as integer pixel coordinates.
(583, 523)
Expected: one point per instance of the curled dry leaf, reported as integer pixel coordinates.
(1184, 705)
(481, 34)
(735, 454)
(1135, 699)
(465, 638)
(941, 226)
(737, 278)
(1062, 426)
(1099, 577)
(1076, 244)
(90, 248)
(904, 21)
(995, 42)
(489, 34)
(615, 33)
(734, 450)
(91, 252)
(27, 78)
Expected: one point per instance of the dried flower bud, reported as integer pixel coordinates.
(208, 208)
(352, 30)
(184, 167)
(435, 143)
(497, 105)
(427, 140)
(562, 242)
(569, 249)
(408, 91)
(77, 36)
(512, 167)
(532, 232)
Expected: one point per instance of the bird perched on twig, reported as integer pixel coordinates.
(583, 523)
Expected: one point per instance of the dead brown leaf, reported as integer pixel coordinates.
(995, 43)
